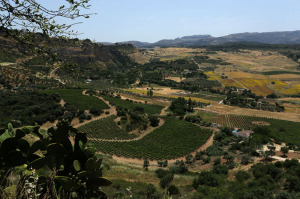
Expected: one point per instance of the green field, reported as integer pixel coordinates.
(175, 138)
(149, 108)
(75, 98)
(290, 131)
(105, 128)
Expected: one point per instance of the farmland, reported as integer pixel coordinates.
(175, 138)
(289, 130)
(148, 108)
(78, 100)
(105, 128)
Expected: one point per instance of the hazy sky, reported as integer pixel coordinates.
(152, 20)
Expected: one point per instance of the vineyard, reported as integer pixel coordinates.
(175, 138)
(286, 131)
(80, 101)
(149, 108)
(105, 128)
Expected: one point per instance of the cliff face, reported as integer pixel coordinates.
(80, 52)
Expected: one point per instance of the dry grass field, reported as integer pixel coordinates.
(257, 60)
(176, 79)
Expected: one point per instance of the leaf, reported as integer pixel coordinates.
(56, 149)
(38, 163)
(67, 183)
(10, 129)
(38, 145)
(77, 165)
(98, 182)
(8, 145)
(20, 134)
(90, 164)
(2, 131)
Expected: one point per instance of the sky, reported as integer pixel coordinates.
(153, 20)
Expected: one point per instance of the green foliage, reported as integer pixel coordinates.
(75, 98)
(75, 168)
(105, 128)
(174, 139)
(28, 108)
(148, 108)
(172, 190)
(242, 176)
(289, 135)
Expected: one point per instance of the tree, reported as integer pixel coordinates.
(172, 190)
(39, 23)
(146, 164)
(150, 190)
(269, 152)
(229, 158)
(284, 150)
(34, 17)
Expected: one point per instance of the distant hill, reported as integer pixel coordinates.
(284, 37)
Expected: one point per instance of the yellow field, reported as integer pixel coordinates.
(257, 60)
(292, 91)
(230, 82)
(213, 76)
(241, 74)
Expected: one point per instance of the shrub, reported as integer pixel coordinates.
(242, 175)
(173, 190)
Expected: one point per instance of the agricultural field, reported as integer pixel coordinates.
(168, 96)
(78, 100)
(148, 108)
(175, 138)
(257, 60)
(105, 128)
(286, 131)
(208, 96)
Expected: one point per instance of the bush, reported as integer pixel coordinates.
(217, 161)
(172, 190)
(160, 173)
(166, 180)
(242, 175)
(154, 121)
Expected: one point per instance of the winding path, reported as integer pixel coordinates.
(52, 74)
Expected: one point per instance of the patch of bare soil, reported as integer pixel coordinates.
(48, 124)
(176, 79)
(261, 123)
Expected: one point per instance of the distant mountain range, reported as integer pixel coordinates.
(284, 37)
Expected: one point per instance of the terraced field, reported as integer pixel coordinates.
(105, 128)
(75, 98)
(175, 138)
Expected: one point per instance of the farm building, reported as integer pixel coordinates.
(245, 134)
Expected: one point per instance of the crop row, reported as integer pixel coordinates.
(149, 108)
(105, 128)
(286, 131)
(78, 100)
(175, 138)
